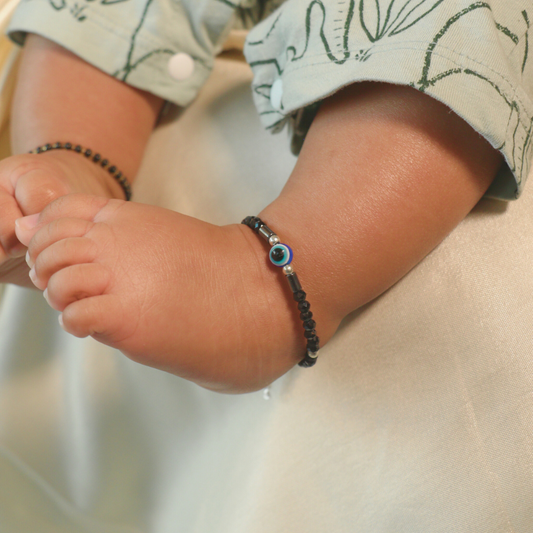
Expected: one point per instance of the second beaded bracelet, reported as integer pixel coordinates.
(96, 158)
(281, 256)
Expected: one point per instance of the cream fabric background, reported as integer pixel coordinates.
(9, 54)
(418, 417)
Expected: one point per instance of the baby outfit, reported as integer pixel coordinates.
(472, 56)
(417, 416)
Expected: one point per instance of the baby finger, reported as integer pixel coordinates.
(59, 255)
(96, 316)
(75, 283)
(38, 237)
(75, 206)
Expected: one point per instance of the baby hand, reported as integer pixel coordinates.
(168, 290)
(28, 183)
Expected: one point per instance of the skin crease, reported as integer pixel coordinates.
(384, 175)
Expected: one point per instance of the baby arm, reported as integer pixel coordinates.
(385, 174)
(60, 97)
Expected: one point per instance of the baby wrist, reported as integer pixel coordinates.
(98, 160)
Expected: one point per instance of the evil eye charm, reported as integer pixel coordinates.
(280, 255)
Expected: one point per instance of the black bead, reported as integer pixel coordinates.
(309, 325)
(307, 361)
(88, 152)
(47, 146)
(299, 296)
(96, 158)
(278, 254)
(78, 149)
(313, 344)
(56, 146)
(310, 334)
(306, 316)
(304, 306)
(112, 169)
(256, 221)
(68, 146)
(38, 150)
(104, 163)
(294, 282)
(247, 220)
(118, 176)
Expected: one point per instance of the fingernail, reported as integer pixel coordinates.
(28, 259)
(27, 223)
(60, 320)
(33, 276)
(45, 294)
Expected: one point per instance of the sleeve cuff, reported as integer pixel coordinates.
(114, 41)
(476, 66)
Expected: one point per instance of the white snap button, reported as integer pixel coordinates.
(181, 66)
(276, 93)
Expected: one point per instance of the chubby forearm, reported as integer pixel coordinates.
(60, 97)
(385, 174)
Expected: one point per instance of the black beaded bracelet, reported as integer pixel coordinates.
(96, 158)
(281, 256)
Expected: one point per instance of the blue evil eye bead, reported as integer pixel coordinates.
(280, 255)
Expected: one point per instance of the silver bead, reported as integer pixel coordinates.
(265, 232)
(312, 355)
(273, 240)
(287, 269)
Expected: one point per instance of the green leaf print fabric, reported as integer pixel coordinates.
(474, 56)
